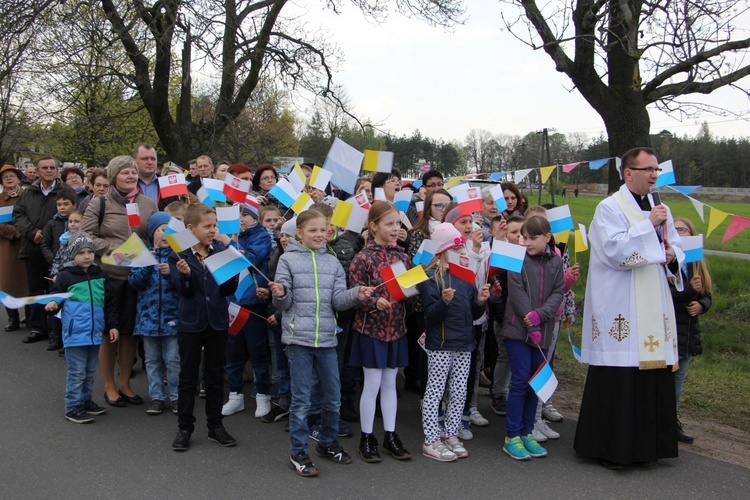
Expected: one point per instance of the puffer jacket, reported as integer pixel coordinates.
(388, 325)
(538, 287)
(256, 243)
(315, 285)
(158, 299)
(688, 329)
(51, 237)
(450, 327)
(32, 211)
(90, 310)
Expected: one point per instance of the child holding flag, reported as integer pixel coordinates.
(255, 241)
(379, 343)
(307, 301)
(694, 300)
(156, 323)
(202, 327)
(450, 305)
(534, 296)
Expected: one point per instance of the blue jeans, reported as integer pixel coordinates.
(250, 342)
(79, 381)
(282, 368)
(522, 400)
(162, 353)
(679, 377)
(303, 362)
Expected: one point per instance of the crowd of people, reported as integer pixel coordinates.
(320, 318)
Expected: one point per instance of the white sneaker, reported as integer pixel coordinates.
(263, 405)
(456, 446)
(236, 403)
(538, 435)
(541, 426)
(465, 434)
(438, 451)
(477, 419)
(550, 413)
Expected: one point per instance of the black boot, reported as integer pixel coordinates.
(55, 341)
(368, 448)
(392, 444)
(682, 437)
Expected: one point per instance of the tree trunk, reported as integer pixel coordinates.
(626, 129)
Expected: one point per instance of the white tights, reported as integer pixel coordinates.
(383, 380)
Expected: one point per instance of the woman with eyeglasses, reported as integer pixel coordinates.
(264, 180)
(74, 177)
(694, 300)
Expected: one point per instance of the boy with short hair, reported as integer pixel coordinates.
(202, 326)
(85, 316)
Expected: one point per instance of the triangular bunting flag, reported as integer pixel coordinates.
(698, 205)
(597, 164)
(736, 226)
(715, 218)
(546, 172)
(686, 190)
(520, 175)
(568, 167)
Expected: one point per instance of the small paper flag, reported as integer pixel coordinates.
(582, 240)
(543, 382)
(666, 176)
(453, 181)
(508, 256)
(560, 219)
(402, 199)
(563, 237)
(134, 214)
(344, 162)
(6, 215)
(297, 178)
(301, 204)
(181, 240)
(692, 246)
(228, 219)
(320, 178)
(378, 161)
(12, 302)
(238, 316)
(499, 196)
(412, 277)
(132, 253)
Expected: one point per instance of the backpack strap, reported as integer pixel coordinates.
(102, 204)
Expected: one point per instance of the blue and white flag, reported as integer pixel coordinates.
(227, 264)
(344, 162)
(499, 196)
(12, 302)
(692, 246)
(426, 252)
(402, 199)
(507, 256)
(228, 219)
(284, 192)
(576, 350)
(6, 214)
(666, 176)
(544, 382)
(560, 219)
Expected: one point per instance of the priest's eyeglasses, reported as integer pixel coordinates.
(650, 170)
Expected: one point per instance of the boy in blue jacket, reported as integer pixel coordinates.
(85, 316)
(156, 323)
(255, 241)
(202, 327)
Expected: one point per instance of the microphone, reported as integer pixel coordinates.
(655, 195)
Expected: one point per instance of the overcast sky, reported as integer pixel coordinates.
(407, 75)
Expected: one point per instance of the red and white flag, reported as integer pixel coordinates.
(397, 292)
(236, 189)
(238, 316)
(172, 185)
(134, 214)
(461, 266)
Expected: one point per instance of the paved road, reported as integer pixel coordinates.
(127, 454)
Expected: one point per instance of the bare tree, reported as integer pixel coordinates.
(624, 56)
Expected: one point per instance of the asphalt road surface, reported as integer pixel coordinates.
(127, 454)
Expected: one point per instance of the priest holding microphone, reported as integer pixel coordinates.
(628, 411)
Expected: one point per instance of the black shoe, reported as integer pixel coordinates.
(133, 400)
(54, 345)
(34, 336)
(221, 436)
(609, 465)
(334, 452)
(392, 444)
(302, 464)
(117, 403)
(13, 325)
(276, 414)
(93, 409)
(181, 441)
(368, 448)
(79, 416)
(682, 437)
(155, 407)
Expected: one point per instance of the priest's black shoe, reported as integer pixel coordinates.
(181, 441)
(34, 337)
(221, 436)
(683, 437)
(13, 325)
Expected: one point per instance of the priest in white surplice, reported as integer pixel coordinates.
(628, 411)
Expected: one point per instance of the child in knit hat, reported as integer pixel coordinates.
(85, 316)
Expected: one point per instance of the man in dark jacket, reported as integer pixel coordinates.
(34, 209)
